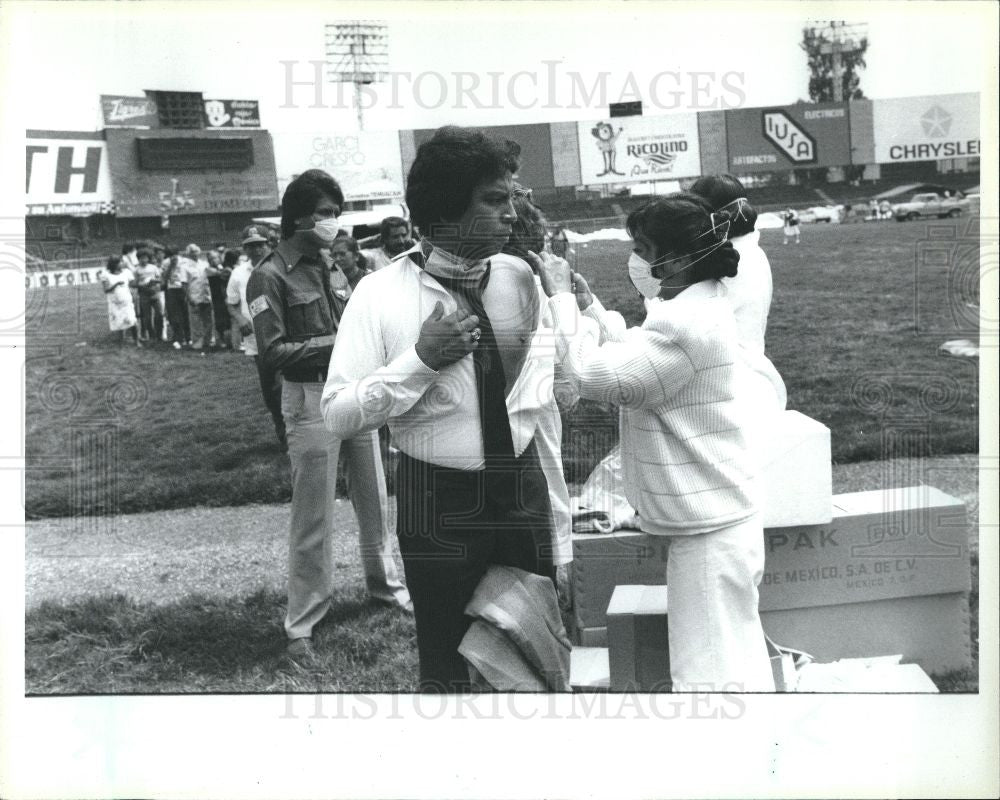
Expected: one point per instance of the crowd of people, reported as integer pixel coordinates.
(467, 340)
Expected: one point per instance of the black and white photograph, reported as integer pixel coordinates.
(607, 385)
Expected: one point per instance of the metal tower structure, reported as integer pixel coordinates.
(358, 53)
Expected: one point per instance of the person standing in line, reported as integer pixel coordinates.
(116, 281)
(688, 469)
(149, 282)
(199, 295)
(176, 275)
(224, 262)
(791, 220)
(295, 315)
(255, 248)
(394, 237)
(442, 346)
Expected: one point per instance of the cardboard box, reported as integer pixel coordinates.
(879, 545)
(889, 574)
(796, 480)
(603, 561)
(931, 631)
(638, 648)
(588, 669)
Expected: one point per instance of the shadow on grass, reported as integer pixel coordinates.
(112, 645)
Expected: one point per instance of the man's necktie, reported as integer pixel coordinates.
(491, 390)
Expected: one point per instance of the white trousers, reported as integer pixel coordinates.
(716, 640)
(313, 452)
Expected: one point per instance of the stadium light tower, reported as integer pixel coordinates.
(358, 53)
(840, 38)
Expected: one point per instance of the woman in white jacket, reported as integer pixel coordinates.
(686, 465)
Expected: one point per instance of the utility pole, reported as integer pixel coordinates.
(359, 54)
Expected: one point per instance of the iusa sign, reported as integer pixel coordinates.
(803, 135)
(794, 141)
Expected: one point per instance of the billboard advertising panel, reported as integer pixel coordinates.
(787, 137)
(639, 149)
(232, 114)
(129, 112)
(366, 164)
(66, 172)
(193, 172)
(926, 128)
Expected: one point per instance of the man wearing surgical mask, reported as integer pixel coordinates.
(295, 314)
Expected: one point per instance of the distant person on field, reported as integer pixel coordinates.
(394, 235)
(217, 285)
(885, 209)
(297, 314)
(177, 272)
(791, 220)
(116, 281)
(150, 284)
(199, 295)
(254, 248)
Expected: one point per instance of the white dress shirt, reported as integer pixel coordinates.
(236, 293)
(376, 376)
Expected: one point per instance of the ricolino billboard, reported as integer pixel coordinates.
(632, 149)
(788, 137)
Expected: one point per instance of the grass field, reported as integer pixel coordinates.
(858, 314)
(193, 600)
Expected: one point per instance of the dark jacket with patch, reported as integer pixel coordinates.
(295, 304)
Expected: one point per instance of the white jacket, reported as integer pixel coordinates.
(686, 464)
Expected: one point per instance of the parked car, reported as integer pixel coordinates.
(930, 204)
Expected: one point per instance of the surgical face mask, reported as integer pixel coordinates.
(326, 230)
(641, 273)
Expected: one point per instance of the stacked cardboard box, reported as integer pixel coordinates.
(888, 574)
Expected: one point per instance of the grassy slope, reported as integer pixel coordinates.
(845, 308)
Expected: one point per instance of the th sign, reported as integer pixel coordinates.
(786, 134)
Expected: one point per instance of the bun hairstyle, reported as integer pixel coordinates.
(683, 224)
(725, 192)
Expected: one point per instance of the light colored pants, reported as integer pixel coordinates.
(313, 452)
(716, 640)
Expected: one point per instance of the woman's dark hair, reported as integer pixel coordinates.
(448, 168)
(304, 194)
(683, 224)
(350, 241)
(113, 263)
(528, 231)
(143, 251)
(721, 192)
(127, 248)
(230, 259)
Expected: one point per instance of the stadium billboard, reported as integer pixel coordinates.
(639, 149)
(367, 164)
(788, 137)
(66, 172)
(536, 149)
(927, 128)
(178, 171)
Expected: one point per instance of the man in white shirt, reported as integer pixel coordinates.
(254, 248)
(449, 352)
(394, 235)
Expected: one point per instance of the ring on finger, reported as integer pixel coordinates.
(475, 333)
